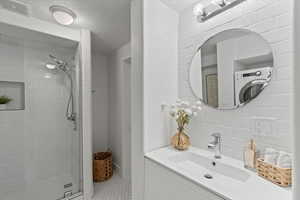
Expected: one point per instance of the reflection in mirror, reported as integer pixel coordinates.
(231, 69)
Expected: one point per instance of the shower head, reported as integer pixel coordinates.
(64, 67)
(50, 66)
(58, 64)
(56, 60)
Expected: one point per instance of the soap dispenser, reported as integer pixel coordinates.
(250, 155)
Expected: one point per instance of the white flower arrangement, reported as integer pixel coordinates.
(183, 112)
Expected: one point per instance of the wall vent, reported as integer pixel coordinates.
(16, 6)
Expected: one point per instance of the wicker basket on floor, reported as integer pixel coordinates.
(279, 176)
(103, 169)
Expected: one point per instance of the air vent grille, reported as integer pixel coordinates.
(16, 6)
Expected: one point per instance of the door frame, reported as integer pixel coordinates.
(126, 62)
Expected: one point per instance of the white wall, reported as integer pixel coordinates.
(273, 20)
(160, 74)
(225, 70)
(115, 76)
(296, 111)
(100, 102)
(137, 136)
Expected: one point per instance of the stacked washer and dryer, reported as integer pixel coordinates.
(249, 83)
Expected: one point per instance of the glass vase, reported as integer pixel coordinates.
(181, 141)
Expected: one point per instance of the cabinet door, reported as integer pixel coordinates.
(163, 184)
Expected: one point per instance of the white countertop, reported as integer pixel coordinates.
(254, 188)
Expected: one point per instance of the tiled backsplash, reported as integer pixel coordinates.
(273, 20)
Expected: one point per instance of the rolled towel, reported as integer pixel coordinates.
(284, 160)
(271, 156)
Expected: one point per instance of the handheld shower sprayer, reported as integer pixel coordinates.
(64, 67)
(60, 64)
(55, 59)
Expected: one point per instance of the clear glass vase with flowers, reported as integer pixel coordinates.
(183, 112)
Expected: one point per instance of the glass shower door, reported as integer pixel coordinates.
(40, 151)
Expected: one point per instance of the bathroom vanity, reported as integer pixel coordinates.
(172, 174)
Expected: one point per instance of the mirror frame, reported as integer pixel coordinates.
(199, 48)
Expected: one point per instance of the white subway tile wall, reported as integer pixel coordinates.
(272, 19)
(38, 146)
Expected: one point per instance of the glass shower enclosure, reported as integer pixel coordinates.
(40, 134)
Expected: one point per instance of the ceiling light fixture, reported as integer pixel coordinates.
(220, 6)
(220, 3)
(62, 15)
(199, 10)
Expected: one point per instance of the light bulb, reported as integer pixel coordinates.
(220, 3)
(199, 10)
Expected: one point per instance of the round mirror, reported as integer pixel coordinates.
(231, 68)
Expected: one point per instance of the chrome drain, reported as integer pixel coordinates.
(208, 176)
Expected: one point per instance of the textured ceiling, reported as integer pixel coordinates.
(109, 20)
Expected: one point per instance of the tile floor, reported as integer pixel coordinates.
(114, 189)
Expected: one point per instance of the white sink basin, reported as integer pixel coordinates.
(202, 166)
(229, 179)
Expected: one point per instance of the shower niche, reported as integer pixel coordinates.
(15, 91)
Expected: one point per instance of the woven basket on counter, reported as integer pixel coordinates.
(103, 169)
(277, 175)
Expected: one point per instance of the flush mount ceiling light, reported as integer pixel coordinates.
(62, 15)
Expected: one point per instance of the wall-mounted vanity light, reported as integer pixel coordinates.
(220, 3)
(199, 10)
(219, 6)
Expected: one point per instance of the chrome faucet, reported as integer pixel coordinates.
(216, 145)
